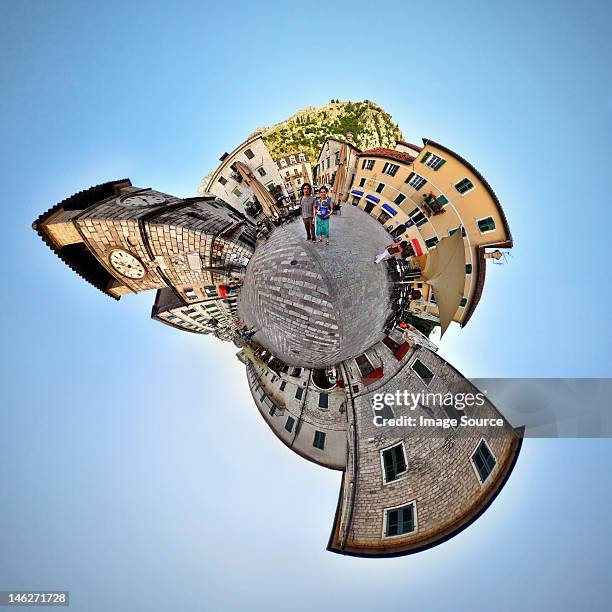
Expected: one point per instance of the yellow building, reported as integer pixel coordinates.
(426, 195)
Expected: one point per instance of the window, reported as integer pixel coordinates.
(463, 302)
(249, 154)
(391, 344)
(337, 158)
(299, 392)
(464, 185)
(483, 461)
(431, 242)
(418, 218)
(261, 171)
(296, 372)
(237, 192)
(390, 169)
(380, 187)
(289, 424)
(368, 164)
(386, 412)
(394, 462)
(423, 372)
(468, 268)
(364, 365)
(283, 163)
(292, 159)
(323, 400)
(223, 180)
(283, 385)
(362, 182)
(452, 231)
(319, 440)
(400, 521)
(400, 198)
(441, 200)
(486, 225)
(272, 411)
(433, 161)
(415, 181)
(302, 157)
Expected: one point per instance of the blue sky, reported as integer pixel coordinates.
(136, 471)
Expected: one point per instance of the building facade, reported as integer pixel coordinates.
(124, 239)
(423, 196)
(404, 489)
(226, 182)
(329, 157)
(295, 170)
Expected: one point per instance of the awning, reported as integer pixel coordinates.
(357, 192)
(416, 246)
(390, 210)
(372, 198)
(445, 272)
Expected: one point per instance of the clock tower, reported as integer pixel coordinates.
(122, 239)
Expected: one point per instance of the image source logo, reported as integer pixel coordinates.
(329, 251)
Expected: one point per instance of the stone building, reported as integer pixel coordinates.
(295, 170)
(226, 182)
(124, 239)
(422, 196)
(404, 488)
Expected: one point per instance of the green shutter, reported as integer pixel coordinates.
(425, 157)
(468, 268)
(440, 164)
(442, 200)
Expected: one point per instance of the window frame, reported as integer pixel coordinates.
(433, 375)
(415, 520)
(401, 474)
(419, 181)
(390, 168)
(484, 219)
(462, 193)
(319, 436)
(477, 447)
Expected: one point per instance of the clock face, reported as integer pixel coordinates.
(126, 264)
(143, 200)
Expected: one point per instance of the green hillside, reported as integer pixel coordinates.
(307, 129)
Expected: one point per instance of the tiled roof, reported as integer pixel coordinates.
(389, 154)
(80, 201)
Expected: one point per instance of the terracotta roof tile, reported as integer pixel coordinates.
(388, 153)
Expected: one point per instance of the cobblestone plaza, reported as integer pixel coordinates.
(316, 305)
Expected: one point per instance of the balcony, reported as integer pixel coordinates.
(432, 205)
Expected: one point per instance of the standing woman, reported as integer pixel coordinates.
(307, 204)
(324, 210)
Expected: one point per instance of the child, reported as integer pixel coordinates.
(324, 211)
